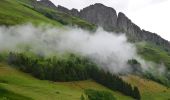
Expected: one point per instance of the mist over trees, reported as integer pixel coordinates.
(71, 67)
(100, 52)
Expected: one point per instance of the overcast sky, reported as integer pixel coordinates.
(151, 15)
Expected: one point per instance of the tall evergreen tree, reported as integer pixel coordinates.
(136, 93)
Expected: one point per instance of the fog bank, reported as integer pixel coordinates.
(109, 50)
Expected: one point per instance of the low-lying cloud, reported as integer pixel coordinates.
(109, 50)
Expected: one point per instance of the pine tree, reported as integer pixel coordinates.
(82, 97)
(136, 93)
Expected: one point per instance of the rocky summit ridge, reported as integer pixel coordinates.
(108, 18)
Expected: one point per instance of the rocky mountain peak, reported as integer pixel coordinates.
(47, 3)
(100, 15)
(107, 18)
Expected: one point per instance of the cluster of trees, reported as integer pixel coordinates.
(114, 82)
(135, 66)
(90, 94)
(70, 68)
(162, 78)
(151, 73)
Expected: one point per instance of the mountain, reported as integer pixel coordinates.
(11, 13)
(107, 17)
(47, 3)
(97, 14)
(150, 46)
(100, 15)
(28, 76)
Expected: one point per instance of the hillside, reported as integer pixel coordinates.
(34, 76)
(149, 89)
(154, 53)
(111, 21)
(21, 85)
(108, 18)
(13, 13)
(150, 46)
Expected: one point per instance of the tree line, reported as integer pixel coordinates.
(70, 68)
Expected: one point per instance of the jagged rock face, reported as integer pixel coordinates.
(123, 22)
(154, 38)
(125, 25)
(47, 3)
(107, 18)
(73, 12)
(135, 34)
(97, 14)
(63, 9)
(100, 15)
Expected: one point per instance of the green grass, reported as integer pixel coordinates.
(12, 13)
(22, 85)
(154, 53)
(15, 85)
(8, 95)
(70, 20)
(61, 17)
(158, 55)
(90, 94)
(149, 90)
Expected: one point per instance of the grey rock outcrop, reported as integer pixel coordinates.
(125, 25)
(135, 34)
(107, 18)
(100, 15)
(154, 38)
(73, 12)
(63, 9)
(97, 14)
(47, 3)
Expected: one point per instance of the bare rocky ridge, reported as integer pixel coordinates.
(100, 15)
(134, 33)
(96, 14)
(107, 18)
(47, 3)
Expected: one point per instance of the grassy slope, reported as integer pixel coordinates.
(61, 17)
(12, 13)
(149, 89)
(22, 85)
(19, 86)
(154, 53)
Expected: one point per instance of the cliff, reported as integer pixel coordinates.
(100, 15)
(107, 18)
(47, 3)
